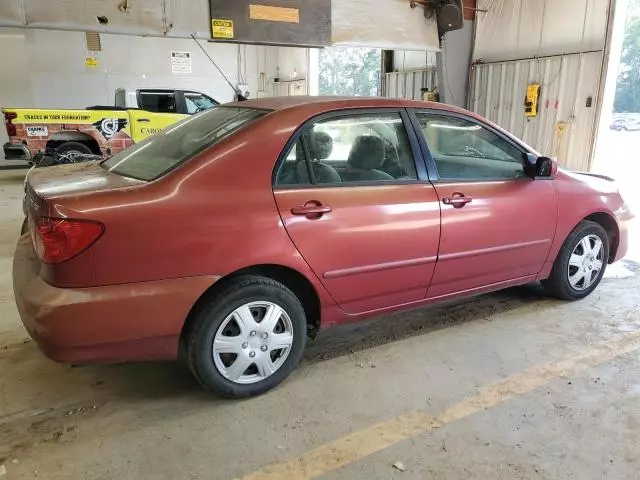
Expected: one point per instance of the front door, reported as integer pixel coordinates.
(363, 218)
(144, 123)
(158, 109)
(497, 222)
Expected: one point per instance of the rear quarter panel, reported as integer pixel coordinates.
(214, 215)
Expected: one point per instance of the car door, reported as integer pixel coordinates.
(158, 110)
(497, 222)
(362, 216)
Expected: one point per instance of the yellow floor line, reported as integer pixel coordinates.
(357, 445)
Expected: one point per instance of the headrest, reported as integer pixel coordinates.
(367, 153)
(320, 145)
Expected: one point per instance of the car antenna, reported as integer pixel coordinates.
(239, 96)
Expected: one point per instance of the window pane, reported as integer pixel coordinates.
(160, 102)
(463, 149)
(293, 170)
(360, 148)
(196, 102)
(164, 151)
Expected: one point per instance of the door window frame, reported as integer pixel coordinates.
(416, 150)
(432, 168)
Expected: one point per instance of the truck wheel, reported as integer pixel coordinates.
(580, 264)
(73, 149)
(247, 338)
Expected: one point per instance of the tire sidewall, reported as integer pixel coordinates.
(571, 243)
(76, 147)
(200, 349)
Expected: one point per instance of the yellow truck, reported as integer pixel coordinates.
(98, 130)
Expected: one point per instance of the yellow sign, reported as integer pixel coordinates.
(531, 100)
(91, 62)
(274, 14)
(221, 28)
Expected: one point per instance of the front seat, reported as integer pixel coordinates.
(365, 158)
(320, 146)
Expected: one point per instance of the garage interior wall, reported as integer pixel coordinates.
(48, 67)
(559, 45)
(414, 70)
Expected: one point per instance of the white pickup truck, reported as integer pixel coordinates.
(99, 130)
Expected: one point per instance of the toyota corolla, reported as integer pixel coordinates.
(229, 238)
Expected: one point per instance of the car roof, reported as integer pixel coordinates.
(336, 103)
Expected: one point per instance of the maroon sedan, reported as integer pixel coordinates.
(231, 236)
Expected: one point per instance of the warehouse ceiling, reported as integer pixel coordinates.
(372, 23)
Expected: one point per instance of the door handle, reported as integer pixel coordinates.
(312, 210)
(143, 120)
(457, 200)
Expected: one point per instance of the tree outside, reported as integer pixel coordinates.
(627, 97)
(350, 71)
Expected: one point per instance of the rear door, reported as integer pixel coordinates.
(497, 222)
(360, 209)
(158, 109)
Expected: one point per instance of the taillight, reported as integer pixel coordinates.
(8, 118)
(59, 239)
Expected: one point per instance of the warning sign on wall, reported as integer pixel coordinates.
(221, 28)
(180, 62)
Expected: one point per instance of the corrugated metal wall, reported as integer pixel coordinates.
(565, 125)
(513, 29)
(408, 84)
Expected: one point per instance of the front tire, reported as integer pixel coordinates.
(581, 262)
(247, 338)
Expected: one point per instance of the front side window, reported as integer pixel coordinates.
(197, 102)
(158, 102)
(462, 149)
(164, 151)
(368, 147)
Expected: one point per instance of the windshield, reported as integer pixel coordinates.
(164, 151)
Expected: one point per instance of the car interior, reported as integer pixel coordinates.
(373, 156)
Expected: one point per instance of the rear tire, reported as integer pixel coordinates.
(231, 352)
(580, 264)
(73, 149)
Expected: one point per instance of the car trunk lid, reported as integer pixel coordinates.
(75, 179)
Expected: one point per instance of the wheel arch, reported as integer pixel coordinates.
(84, 138)
(606, 221)
(295, 281)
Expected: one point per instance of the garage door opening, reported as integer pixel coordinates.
(618, 139)
(349, 71)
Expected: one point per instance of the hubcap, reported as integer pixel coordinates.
(585, 263)
(253, 342)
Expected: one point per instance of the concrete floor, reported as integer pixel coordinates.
(507, 385)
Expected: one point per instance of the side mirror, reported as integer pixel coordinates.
(540, 167)
(546, 167)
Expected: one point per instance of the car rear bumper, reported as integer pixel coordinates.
(116, 323)
(16, 151)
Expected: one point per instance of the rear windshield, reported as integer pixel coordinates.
(159, 154)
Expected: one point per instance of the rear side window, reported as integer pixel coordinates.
(158, 102)
(164, 151)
